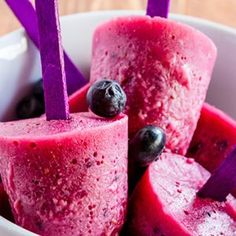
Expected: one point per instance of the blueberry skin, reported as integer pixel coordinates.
(33, 104)
(147, 145)
(106, 98)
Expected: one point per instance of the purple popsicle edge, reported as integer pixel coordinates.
(223, 181)
(25, 13)
(158, 8)
(52, 60)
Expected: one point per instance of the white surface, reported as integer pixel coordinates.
(9, 229)
(19, 66)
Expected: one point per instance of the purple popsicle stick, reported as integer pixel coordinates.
(24, 11)
(54, 78)
(158, 8)
(223, 181)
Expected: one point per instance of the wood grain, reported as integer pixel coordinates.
(222, 11)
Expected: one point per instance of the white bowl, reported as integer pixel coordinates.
(19, 66)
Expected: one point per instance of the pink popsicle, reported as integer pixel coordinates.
(213, 139)
(165, 202)
(164, 68)
(66, 177)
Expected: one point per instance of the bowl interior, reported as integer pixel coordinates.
(20, 64)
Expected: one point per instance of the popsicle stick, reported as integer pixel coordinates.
(56, 98)
(223, 181)
(24, 11)
(158, 8)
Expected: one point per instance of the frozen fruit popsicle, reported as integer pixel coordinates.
(66, 175)
(165, 202)
(164, 68)
(213, 138)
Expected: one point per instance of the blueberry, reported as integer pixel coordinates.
(38, 90)
(106, 98)
(147, 145)
(33, 104)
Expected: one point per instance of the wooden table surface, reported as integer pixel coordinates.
(222, 11)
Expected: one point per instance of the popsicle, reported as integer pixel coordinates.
(214, 137)
(66, 175)
(25, 13)
(66, 178)
(165, 202)
(164, 68)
